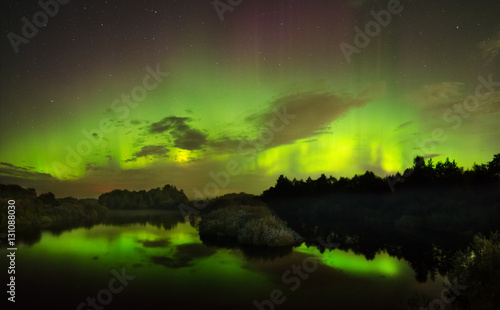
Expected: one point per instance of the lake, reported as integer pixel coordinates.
(145, 264)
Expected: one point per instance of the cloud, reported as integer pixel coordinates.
(436, 95)
(7, 164)
(150, 150)
(10, 170)
(226, 144)
(490, 48)
(310, 113)
(491, 104)
(183, 135)
(440, 97)
(295, 117)
(27, 177)
(403, 125)
(439, 103)
(91, 166)
(189, 140)
(153, 150)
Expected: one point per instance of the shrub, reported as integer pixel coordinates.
(269, 231)
(248, 224)
(478, 268)
(223, 222)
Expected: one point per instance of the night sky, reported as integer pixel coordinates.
(139, 94)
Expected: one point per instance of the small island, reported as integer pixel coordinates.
(248, 220)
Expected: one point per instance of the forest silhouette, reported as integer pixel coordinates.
(434, 211)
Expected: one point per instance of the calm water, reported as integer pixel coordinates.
(173, 269)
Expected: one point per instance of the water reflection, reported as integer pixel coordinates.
(172, 265)
(183, 256)
(251, 252)
(381, 264)
(358, 249)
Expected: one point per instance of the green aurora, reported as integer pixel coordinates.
(62, 129)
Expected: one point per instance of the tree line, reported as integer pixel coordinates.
(45, 210)
(166, 198)
(423, 175)
(437, 209)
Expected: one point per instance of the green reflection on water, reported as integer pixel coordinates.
(174, 265)
(177, 252)
(140, 243)
(356, 263)
(103, 238)
(105, 246)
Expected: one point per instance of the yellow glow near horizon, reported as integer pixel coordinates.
(180, 155)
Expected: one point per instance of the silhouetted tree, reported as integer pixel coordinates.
(494, 165)
(48, 199)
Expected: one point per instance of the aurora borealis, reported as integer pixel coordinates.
(139, 94)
